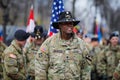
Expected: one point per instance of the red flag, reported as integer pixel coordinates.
(95, 30)
(31, 22)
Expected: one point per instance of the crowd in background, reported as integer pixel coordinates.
(105, 55)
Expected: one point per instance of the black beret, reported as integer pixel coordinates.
(21, 35)
(94, 39)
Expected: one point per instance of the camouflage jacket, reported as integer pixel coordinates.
(116, 74)
(31, 52)
(14, 62)
(59, 59)
(108, 60)
(2, 48)
(94, 51)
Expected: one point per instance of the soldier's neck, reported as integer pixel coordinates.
(65, 36)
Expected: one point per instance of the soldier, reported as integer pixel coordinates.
(87, 38)
(39, 37)
(80, 33)
(2, 48)
(94, 50)
(109, 58)
(14, 59)
(63, 56)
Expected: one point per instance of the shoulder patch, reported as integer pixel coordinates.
(12, 55)
(42, 49)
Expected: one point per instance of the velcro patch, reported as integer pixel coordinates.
(58, 51)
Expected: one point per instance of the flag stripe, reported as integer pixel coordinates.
(31, 23)
(97, 30)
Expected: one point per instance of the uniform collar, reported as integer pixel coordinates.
(15, 44)
(71, 41)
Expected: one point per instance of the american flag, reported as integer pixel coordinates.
(57, 8)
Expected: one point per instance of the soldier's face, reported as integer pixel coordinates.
(80, 35)
(114, 41)
(67, 27)
(96, 43)
(21, 43)
(39, 41)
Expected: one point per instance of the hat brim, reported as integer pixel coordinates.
(36, 36)
(56, 24)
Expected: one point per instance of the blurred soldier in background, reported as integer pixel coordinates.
(109, 58)
(2, 48)
(94, 50)
(39, 36)
(63, 56)
(87, 38)
(80, 33)
(14, 58)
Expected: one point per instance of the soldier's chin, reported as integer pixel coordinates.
(69, 32)
(115, 44)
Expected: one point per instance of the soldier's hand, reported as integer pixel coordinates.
(116, 75)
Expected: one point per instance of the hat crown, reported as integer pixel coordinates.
(38, 31)
(65, 15)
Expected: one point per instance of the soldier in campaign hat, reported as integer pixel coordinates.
(14, 58)
(31, 49)
(39, 35)
(63, 56)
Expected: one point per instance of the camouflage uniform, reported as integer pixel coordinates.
(33, 44)
(14, 62)
(116, 74)
(94, 52)
(31, 52)
(59, 59)
(2, 48)
(108, 61)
